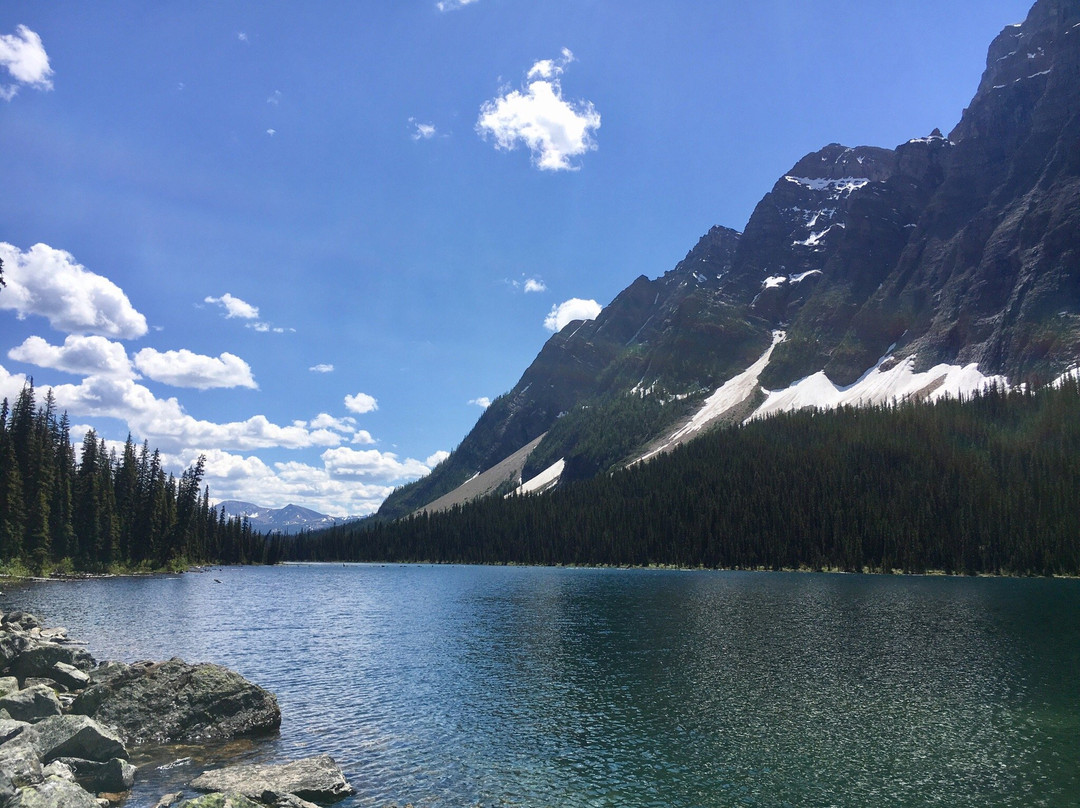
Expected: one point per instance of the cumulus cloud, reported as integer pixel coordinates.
(534, 285)
(84, 356)
(569, 310)
(167, 426)
(23, 57)
(437, 458)
(326, 421)
(250, 479)
(321, 368)
(51, 284)
(554, 130)
(363, 438)
(483, 402)
(184, 368)
(344, 462)
(361, 403)
(11, 384)
(453, 5)
(234, 307)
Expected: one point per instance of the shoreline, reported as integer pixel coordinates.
(70, 728)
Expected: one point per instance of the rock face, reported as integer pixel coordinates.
(175, 702)
(318, 779)
(959, 249)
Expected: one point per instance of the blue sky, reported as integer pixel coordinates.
(311, 240)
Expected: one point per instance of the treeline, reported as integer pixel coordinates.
(102, 511)
(987, 485)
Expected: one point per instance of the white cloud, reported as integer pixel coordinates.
(24, 58)
(361, 403)
(167, 426)
(184, 368)
(50, 284)
(437, 458)
(271, 132)
(483, 402)
(535, 285)
(249, 479)
(453, 5)
(326, 421)
(422, 131)
(234, 307)
(84, 356)
(275, 98)
(11, 384)
(569, 310)
(363, 438)
(553, 129)
(321, 368)
(344, 463)
(242, 36)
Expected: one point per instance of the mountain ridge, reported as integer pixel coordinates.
(948, 262)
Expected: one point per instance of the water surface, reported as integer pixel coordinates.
(465, 686)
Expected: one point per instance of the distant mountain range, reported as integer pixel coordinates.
(864, 275)
(290, 519)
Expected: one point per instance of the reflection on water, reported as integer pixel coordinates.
(463, 686)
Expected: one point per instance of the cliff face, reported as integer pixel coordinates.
(962, 250)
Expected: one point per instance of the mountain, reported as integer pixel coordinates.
(942, 266)
(290, 519)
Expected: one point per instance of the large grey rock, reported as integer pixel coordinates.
(55, 792)
(8, 685)
(317, 778)
(19, 759)
(77, 736)
(174, 702)
(38, 660)
(31, 704)
(69, 676)
(112, 776)
(10, 728)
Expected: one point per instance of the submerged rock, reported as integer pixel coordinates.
(318, 779)
(175, 702)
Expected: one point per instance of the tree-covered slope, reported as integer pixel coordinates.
(987, 485)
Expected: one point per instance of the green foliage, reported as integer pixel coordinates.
(102, 513)
(596, 436)
(988, 485)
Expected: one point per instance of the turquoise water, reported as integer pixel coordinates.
(466, 686)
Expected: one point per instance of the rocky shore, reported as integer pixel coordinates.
(67, 724)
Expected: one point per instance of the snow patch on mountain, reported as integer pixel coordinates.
(727, 397)
(543, 481)
(879, 386)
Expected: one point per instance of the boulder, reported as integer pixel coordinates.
(174, 702)
(58, 769)
(38, 660)
(318, 779)
(8, 685)
(69, 676)
(220, 801)
(113, 776)
(77, 736)
(31, 704)
(55, 792)
(9, 729)
(19, 759)
(52, 684)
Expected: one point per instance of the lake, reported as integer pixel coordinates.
(559, 688)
